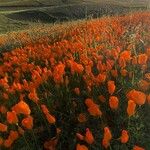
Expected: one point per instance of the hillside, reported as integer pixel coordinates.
(16, 15)
(79, 85)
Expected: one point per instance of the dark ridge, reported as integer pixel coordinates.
(66, 13)
(33, 16)
(28, 6)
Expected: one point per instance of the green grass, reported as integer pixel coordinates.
(8, 25)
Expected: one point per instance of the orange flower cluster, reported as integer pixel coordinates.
(107, 137)
(82, 117)
(81, 147)
(113, 102)
(124, 136)
(111, 87)
(12, 117)
(21, 108)
(131, 108)
(13, 136)
(138, 148)
(51, 119)
(137, 96)
(93, 108)
(27, 122)
(88, 138)
(92, 77)
(3, 127)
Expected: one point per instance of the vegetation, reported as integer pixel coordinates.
(83, 87)
(20, 14)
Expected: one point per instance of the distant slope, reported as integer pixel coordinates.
(35, 2)
(60, 2)
(18, 14)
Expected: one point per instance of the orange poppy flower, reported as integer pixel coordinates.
(75, 67)
(17, 86)
(79, 68)
(51, 144)
(81, 147)
(109, 64)
(51, 119)
(124, 72)
(25, 85)
(13, 135)
(106, 137)
(89, 102)
(80, 136)
(113, 102)
(82, 118)
(101, 77)
(1, 141)
(88, 69)
(58, 73)
(105, 143)
(33, 96)
(22, 108)
(102, 98)
(8, 143)
(20, 130)
(101, 66)
(44, 109)
(58, 130)
(77, 91)
(143, 85)
(94, 110)
(142, 59)
(122, 62)
(12, 117)
(114, 73)
(148, 99)
(5, 96)
(89, 136)
(111, 87)
(107, 134)
(124, 136)
(138, 148)
(115, 54)
(126, 55)
(137, 96)
(131, 108)
(3, 127)
(27, 122)
(3, 109)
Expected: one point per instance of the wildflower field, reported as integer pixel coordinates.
(87, 88)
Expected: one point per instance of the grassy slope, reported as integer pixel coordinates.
(34, 33)
(57, 11)
(59, 2)
(34, 2)
(7, 24)
(48, 27)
